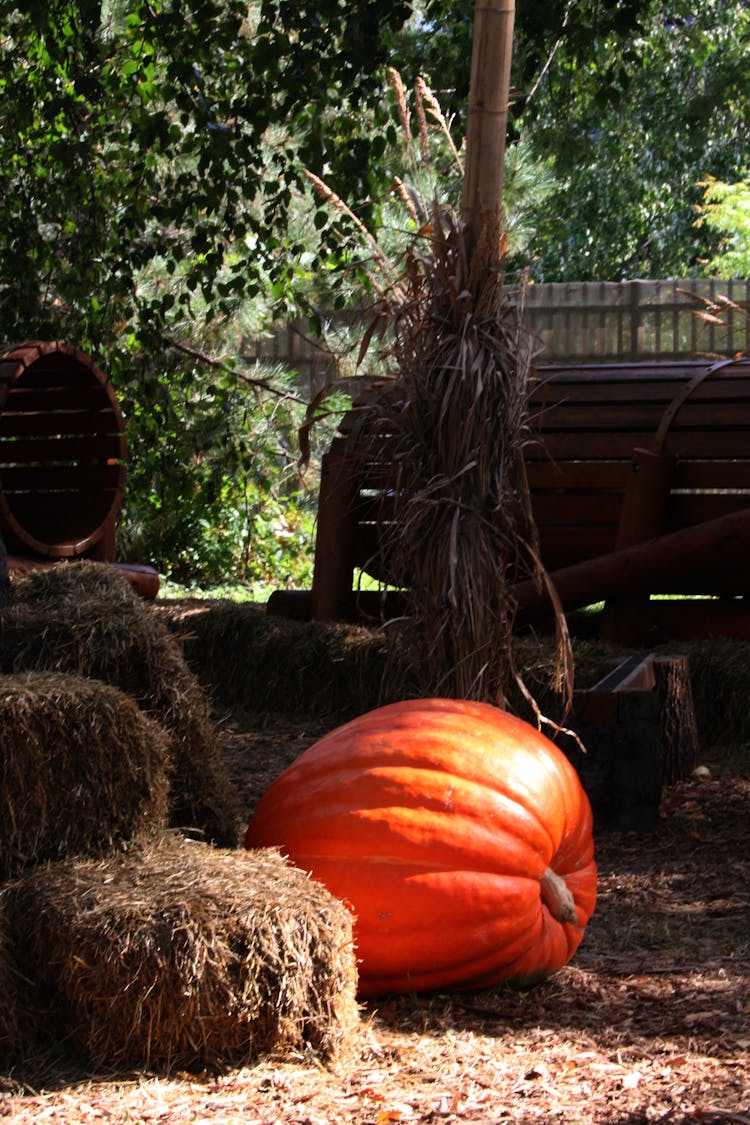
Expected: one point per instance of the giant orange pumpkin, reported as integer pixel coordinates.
(459, 835)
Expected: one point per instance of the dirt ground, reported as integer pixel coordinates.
(649, 1023)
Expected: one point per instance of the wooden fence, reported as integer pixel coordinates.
(638, 320)
(579, 321)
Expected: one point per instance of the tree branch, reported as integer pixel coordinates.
(210, 361)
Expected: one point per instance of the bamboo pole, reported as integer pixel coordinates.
(487, 116)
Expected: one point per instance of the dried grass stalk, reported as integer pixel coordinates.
(84, 618)
(457, 424)
(84, 770)
(457, 529)
(185, 956)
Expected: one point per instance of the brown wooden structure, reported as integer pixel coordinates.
(639, 476)
(639, 731)
(62, 459)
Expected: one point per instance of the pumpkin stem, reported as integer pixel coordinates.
(557, 898)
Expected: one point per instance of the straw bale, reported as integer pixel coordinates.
(9, 1029)
(245, 656)
(186, 956)
(719, 673)
(85, 618)
(6, 590)
(84, 770)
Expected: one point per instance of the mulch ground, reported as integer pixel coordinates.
(649, 1023)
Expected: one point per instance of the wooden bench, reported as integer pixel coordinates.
(62, 460)
(639, 475)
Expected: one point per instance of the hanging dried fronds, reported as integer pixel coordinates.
(459, 532)
(456, 426)
(721, 311)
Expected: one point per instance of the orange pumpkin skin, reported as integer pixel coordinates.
(438, 822)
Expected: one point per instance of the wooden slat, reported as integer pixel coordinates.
(560, 547)
(58, 367)
(712, 473)
(31, 398)
(577, 509)
(696, 474)
(61, 422)
(727, 443)
(563, 475)
(645, 416)
(62, 449)
(60, 478)
(677, 372)
(688, 509)
(713, 389)
(43, 515)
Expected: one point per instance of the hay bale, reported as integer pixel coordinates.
(10, 1039)
(6, 590)
(85, 618)
(84, 770)
(186, 956)
(720, 674)
(248, 657)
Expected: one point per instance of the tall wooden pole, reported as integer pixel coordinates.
(488, 117)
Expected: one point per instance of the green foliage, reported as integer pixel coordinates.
(436, 43)
(151, 154)
(214, 489)
(170, 132)
(726, 211)
(632, 127)
(628, 105)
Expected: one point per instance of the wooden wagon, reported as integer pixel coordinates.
(639, 475)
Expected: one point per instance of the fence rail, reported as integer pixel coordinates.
(638, 320)
(580, 321)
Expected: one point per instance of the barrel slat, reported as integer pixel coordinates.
(63, 422)
(61, 478)
(62, 449)
(28, 399)
(59, 450)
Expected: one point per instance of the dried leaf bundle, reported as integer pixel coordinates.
(459, 530)
(455, 424)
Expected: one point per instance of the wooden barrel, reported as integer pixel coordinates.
(62, 450)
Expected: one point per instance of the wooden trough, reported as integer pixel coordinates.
(639, 476)
(639, 730)
(62, 459)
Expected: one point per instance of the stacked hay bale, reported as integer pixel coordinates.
(84, 618)
(184, 955)
(126, 940)
(84, 770)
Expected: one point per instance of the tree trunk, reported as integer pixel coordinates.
(487, 119)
